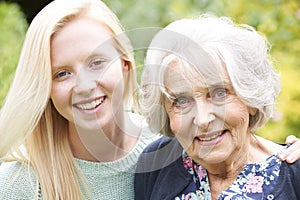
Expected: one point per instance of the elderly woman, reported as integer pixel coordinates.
(211, 84)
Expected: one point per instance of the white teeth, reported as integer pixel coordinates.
(91, 105)
(210, 138)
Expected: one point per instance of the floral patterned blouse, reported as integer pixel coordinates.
(255, 181)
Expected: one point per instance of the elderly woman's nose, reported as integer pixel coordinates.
(203, 115)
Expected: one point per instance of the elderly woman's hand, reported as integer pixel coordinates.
(292, 153)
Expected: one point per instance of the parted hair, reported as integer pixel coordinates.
(28, 117)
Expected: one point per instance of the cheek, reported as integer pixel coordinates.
(56, 95)
(180, 125)
(61, 96)
(174, 119)
(175, 123)
(237, 115)
(113, 79)
(59, 91)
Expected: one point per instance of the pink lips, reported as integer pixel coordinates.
(90, 107)
(212, 138)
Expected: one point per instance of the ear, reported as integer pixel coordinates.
(125, 66)
(252, 111)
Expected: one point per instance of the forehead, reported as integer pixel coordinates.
(82, 37)
(181, 75)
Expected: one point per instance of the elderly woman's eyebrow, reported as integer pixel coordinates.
(214, 85)
(176, 93)
(224, 85)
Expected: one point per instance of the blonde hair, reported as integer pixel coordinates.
(28, 117)
(239, 48)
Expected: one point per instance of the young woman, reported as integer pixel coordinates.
(64, 123)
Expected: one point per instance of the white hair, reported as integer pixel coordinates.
(239, 48)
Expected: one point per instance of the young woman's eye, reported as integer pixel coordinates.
(97, 63)
(61, 75)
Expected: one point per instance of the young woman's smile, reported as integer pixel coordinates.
(87, 73)
(90, 106)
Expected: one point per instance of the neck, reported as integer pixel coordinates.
(227, 170)
(222, 175)
(107, 144)
(253, 150)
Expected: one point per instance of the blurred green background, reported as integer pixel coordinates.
(279, 20)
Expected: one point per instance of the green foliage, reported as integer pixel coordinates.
(12, 29)
(279, 20)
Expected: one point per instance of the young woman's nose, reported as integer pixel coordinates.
(85, 82)
(203, 115)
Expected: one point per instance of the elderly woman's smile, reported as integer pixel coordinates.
(206, 116)
(208, 84)
(208, 138)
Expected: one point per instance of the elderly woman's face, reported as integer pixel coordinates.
(206, 116)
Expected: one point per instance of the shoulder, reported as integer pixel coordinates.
(159, 154)
(17, 181)
(146, 135)
(289, 174)
(267, 146)
(158, 144)
(293, 169)
(288, 184)
(161, 162)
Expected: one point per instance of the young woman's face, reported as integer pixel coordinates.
(206, 116)
(87, 74)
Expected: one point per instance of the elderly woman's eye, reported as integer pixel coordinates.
(218, 94)
(182, 104)
(181, 101)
